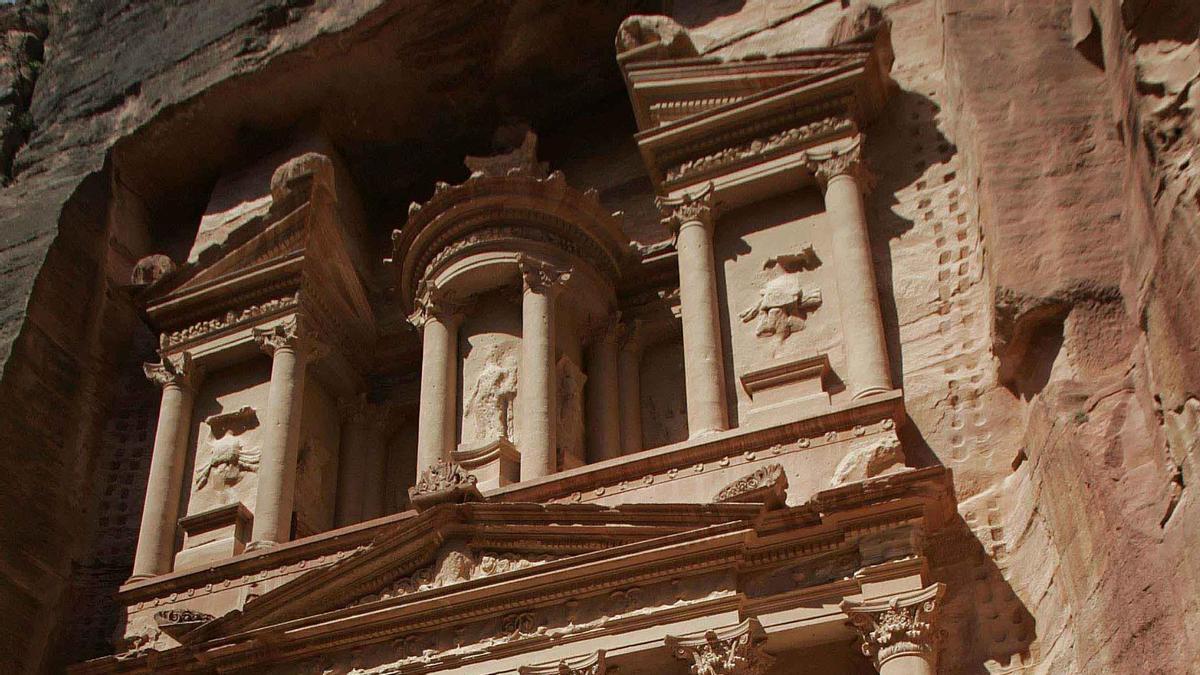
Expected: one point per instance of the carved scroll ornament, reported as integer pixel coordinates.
(844, 161)
(434, 302)
(689, 208)
(731, 651)
(542, 277)
(899, 625)
(767, 485)
(290, 334)
(443, 482)
(592, 664)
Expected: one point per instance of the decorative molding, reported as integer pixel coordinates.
(540, 276)
(176, 622)
(843, 161)
(766, 484)
(899, 625)
(700, 208)
(737, 650)
(231, 319)
(286, 334)
(592, 664)
(759, 148)
(442, 483)
(176, 370)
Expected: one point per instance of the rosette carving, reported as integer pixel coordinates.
(900, 625)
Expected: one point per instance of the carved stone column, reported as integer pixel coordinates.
(537, 384)
(160, 514)
(603, 399)
(381, 423)
(898, 633)
(630, 366)
(737, 650)
(438, 316)
(842, 176)
(352, 461)
(692, 218)
(291, 348)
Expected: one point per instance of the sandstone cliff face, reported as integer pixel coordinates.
(1035, 230)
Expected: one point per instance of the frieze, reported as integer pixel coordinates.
(592, 664)
(761, 147)
(231, 319)
(455, 567)
(802, 444)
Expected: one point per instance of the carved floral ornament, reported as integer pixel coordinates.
(177, 370)
(290, 334)
(443, 482)
(435, 302)
(898, 625)
(731, 651)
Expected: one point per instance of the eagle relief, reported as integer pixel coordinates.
(227, 455)
(783, 301)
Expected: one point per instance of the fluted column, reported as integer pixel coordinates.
(603, 399)
(438, 317)
(291, 346)
(352, 461)
(630, 366)
(537, 386)
(160, 514)
(898, 633)
(842, 176)
(737, 650)
(692, 217)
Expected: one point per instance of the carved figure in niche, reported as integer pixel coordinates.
(570, 409)
(492, 396)
(783, 302)
(228, 455)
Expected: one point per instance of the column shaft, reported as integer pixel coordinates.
(281, 445)
(436, 429)
(374, 488)
(630, 360)
(907, 664)
(160, 513)
(867, 369)
(537, 386)
(703, 360)
(603, 400)
(352, 466)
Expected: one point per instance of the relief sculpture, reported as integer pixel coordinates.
(493, 394)
(783, 302)
(228, 455)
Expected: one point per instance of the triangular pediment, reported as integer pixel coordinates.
(467, 547)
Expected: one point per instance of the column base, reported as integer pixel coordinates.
(870, 391)
(260, 545)
(139, 577)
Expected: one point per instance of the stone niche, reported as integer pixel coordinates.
(781, 305)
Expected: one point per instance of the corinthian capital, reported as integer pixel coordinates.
(689, 208)
(842, 161)
(737, 650)
(291, 333)
(434, 302)
(898, 625)
(177, 370)
(540, 276)
(593, 664)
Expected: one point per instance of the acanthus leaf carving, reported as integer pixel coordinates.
(540, 276)
(767, 484)
(443, 482)
(434, 302)
(699, 207)
(842, 161)
(175, 370)
(899, 625)
(293, 334)
(592, 664)
(732, 651)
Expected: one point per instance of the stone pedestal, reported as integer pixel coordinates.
(213, 535)
(156, 538)
(842, 175)
(692, 219)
